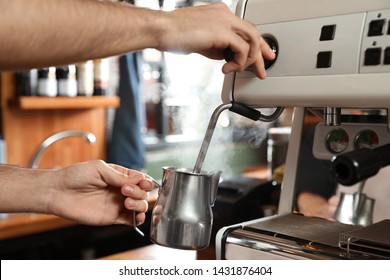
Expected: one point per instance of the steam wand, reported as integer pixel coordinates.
(238, 108)
(208, 136)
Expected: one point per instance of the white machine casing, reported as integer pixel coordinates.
(325, 58)
(294, 80)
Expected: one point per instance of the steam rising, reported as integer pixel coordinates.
(193, 93)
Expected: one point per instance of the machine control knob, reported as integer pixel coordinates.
(274, 47)
(228, 53)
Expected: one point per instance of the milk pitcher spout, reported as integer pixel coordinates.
(214, 180)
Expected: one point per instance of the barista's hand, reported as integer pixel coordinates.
(98, 193)
(314, 205)
(333, 202)
(209, 29)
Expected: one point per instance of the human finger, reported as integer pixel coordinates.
(136, 205)
(118, 176)
(156, 215)
(140, 217)
(147, 184)
(134, 192)
(248, 36)
(255, 59)
(334, 200)
(241, 50)
(126, 218)
(266, 50)
(236, 55)
(258, 67)
(126, 171)
(265, 53)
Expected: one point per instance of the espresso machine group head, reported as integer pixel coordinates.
(332, 56)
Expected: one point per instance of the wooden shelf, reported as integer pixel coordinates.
(50, 103)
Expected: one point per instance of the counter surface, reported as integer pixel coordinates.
(154, 252)
(24, 224)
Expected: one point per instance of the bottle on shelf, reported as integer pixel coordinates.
(3, 150)
(66, 79)
(84, 74)
(3, 160)
(47, 82)
(101, 76)
(26, 82)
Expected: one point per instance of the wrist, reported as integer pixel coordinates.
(44, 188)
(143, 28)
(159, 32)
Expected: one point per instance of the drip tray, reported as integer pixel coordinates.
(289, 236)
(298, 227)
(373, 240)
(294, 235)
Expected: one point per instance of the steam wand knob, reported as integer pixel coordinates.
(229, 54)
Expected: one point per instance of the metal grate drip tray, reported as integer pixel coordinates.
(310, 229)
(373, 240)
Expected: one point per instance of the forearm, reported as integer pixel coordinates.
(25, 190)
(118, 27)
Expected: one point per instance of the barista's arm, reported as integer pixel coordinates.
(38, 33)
(90, 193)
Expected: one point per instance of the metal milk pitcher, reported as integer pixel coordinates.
(355, 209)
(182, 217)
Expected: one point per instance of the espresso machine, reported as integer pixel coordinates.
(331, 57)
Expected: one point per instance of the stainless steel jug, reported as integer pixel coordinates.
(355, 209)
(182, 217)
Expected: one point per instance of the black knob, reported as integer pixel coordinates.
(228, 53)
(274, 47)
